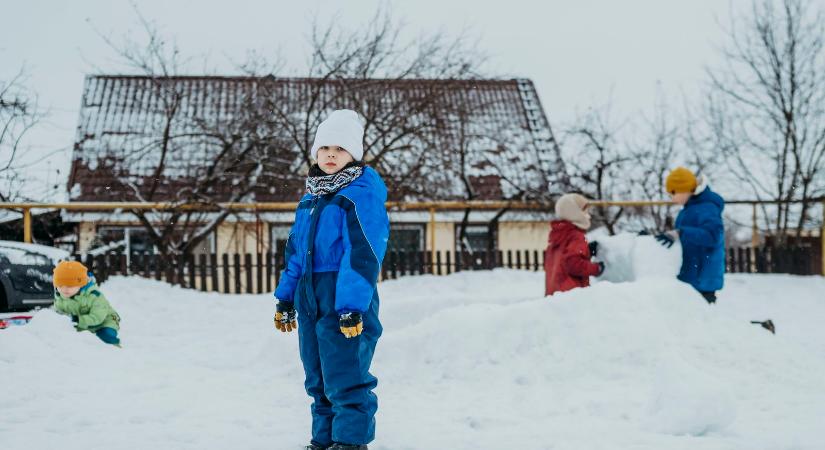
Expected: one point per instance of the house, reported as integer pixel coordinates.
(509, 153)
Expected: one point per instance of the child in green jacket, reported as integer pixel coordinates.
(78, 296)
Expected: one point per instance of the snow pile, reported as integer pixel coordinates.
(697, 408)
(475, 360)
(629, 257)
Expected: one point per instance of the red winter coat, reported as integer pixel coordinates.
(567, 262)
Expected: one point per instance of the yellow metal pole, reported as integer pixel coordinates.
(432, 240)
(27, 225)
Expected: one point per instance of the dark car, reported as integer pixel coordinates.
(26, 275)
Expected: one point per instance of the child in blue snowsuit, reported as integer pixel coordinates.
(333, 258)
(700, 230)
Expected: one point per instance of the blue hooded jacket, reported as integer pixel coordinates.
(344, 232)
(702, 235)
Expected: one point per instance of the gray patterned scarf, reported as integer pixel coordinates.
(319, 183)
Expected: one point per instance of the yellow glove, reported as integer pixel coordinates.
(285, 317)
(351, 324)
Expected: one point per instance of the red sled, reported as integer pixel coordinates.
(15, 320)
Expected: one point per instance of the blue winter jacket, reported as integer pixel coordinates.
(702, 235)
(344, 232)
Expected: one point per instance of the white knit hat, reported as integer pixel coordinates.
(342, 128)
(570, 207)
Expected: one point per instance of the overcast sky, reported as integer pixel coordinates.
(577, 52)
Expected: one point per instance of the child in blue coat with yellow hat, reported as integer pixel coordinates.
(700, 230)
(328, 288)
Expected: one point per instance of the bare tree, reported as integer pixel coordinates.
(767, 106)
(372, 70)
(653, 156)
(201, 151)
(19, 113)
(599, 163)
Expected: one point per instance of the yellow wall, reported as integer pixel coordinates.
(522, 235)
(242, 237)
(444, 236)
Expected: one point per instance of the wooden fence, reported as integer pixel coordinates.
(260, 273)
(768, 259)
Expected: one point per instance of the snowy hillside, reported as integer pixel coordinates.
(471, 361)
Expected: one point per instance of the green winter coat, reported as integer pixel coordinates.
(92, 309)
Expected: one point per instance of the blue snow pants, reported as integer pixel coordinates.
(337, 368)
(108, 335)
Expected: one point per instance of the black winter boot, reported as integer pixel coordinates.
(313, 446)
(347, 447)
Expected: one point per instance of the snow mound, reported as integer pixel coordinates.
(476, 359)
(696, 408)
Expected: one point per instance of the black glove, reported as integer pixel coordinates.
(594, 248)
(351, 324)
(601, 268)
(666, 239)
(644, 232)
(285, 317)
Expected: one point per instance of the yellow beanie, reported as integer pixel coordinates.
(70, 274)
(680, 180)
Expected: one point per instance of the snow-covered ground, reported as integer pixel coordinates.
(476, 360)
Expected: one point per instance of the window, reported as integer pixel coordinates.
(477, 238)
(136, 240)
(406, 238)
(278, 235)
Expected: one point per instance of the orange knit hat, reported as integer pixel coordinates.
(680, 180)
(70, 274)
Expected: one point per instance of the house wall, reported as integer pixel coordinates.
(522, 235)
(242, 237)
(444, 236)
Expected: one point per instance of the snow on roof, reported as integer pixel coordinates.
(116, 153)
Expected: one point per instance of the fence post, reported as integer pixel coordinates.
(181, 272)
(190, 259)
(260, 273)
(213, 272)
(432, 236)
(393, 265)
(822, 240)
(269, 258)
(202, 267)
(754, 239)
(247, 262)
(236, 258)
(225, 272)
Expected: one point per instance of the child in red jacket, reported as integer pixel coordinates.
(567, 262)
